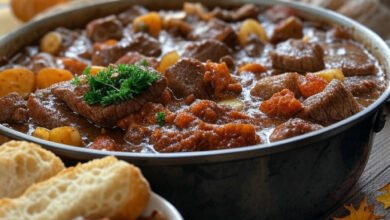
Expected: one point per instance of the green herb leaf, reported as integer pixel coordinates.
(115, 85)
(160, 118)
(76, 81)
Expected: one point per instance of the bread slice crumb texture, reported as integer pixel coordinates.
(100, 188)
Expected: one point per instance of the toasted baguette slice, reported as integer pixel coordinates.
(100, 188)
(23, 164)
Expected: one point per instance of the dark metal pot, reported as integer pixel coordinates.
(298, 178)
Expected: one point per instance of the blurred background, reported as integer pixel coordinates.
(373, 13)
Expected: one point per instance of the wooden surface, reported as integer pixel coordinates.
(375, 176)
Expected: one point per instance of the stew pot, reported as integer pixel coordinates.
(297, 178)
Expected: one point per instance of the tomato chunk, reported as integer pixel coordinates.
(282, 104)
(311, 85)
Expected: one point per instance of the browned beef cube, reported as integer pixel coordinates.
(244, 12)
(333, 104)
(186, 78)
(145, 44)
(292, 128)
(13, 109)
(42, 60)
(267, 86)
(254, 47)
(291, 27)
(107, 55)
(207, 50)
(105, 116)
(298, 56)
(360, 85)
(103, 29)
(214, 29)
(135, 57)
(130, 14)
(140, 42)
(48, 111)
(350, 58)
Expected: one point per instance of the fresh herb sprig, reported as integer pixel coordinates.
(160, 118)
(113, 85)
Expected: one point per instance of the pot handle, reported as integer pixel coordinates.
(380, 120)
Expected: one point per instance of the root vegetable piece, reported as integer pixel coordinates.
(49, 76)
(168, 60)
(150, 23)
(51, 43)
(66, 135)
(19, 80)
(41, 133)
(251, 27)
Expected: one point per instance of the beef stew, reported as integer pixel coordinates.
(231, 86)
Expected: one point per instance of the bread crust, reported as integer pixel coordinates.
(23, 164)
(100, 188)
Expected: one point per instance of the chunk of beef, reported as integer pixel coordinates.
(176, 25)
(105, 116)
(13, 109)
(270, 85)
(244, 12)
(291, 27)
(103, 29)
(214, 29)
(207, 50)
(103, 56)
(48, 111)
(130, 14)
(360, 85)
(339, 32)
(145, 44)
(333, 104)
(254, 47)
(349, 57)
(186, 78)
(42, 60)
(135, 57)
(298, 56)
(292, 128)
(140, 42)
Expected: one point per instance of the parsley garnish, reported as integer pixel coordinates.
(117, 84)
(76, 81)
(160, 118)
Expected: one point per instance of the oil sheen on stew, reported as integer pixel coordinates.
(223, 78)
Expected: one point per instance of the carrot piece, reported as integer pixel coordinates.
(73, 65)
(150, 23)
(168, 60)
(252, 67)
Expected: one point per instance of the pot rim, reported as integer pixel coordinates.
(371, 40)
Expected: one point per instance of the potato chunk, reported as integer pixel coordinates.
(41, 133)
(51, 43)
(235, 104)
(330, 74)
(66, 135)
(49, 76)
(18, 80)
(251, 27)
(168, 60)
